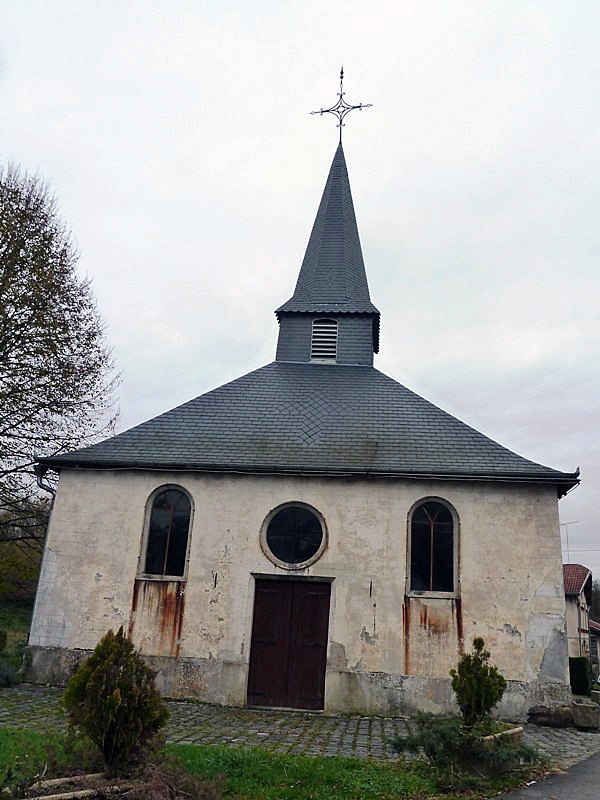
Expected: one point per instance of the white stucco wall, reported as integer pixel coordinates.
(509, 568)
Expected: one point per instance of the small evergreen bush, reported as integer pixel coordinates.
(461, 757)
(440, 739)
(478, 686)
(3, 641)
(112, 699)
(456, 747)
(580, 673)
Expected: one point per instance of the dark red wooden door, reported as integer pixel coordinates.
(288, 652)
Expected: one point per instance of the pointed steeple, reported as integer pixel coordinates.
(332, 275)
(332, 279)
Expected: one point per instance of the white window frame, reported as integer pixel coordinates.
(150, 576)
(285, 564)
(455, 549)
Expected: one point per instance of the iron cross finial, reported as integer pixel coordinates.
(341, 108)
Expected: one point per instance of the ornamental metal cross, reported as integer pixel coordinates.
(341, 108)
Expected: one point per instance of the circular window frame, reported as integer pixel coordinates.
(286, 564)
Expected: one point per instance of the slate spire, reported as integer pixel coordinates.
(332, 279)
(333, 274)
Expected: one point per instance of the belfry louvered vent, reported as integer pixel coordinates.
(323, 346)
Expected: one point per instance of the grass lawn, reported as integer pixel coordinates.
(260, 775)
(255, 774)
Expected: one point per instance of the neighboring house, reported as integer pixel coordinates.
(594, 637)
(578, 595)
(313, 534)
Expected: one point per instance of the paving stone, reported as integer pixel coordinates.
(38, 707)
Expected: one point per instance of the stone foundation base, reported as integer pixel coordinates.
(385, 694)
(205, 680)
(346, 692)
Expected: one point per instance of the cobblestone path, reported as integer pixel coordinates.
(282, 731)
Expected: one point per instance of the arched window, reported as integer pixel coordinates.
(323, 344)
(432, 547)
(168, 533)
(293, 535)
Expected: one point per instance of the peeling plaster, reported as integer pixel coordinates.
(554, 662)
(367, 637)
(337, 656)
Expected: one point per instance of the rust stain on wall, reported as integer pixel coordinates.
(433, 634)
(457, 607)
(157, 609)
(406, 632)
(171, 615)
(134, 605)
(432, 622)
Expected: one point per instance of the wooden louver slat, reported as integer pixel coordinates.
(324, 339)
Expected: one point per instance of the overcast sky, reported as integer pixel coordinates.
(177, 138)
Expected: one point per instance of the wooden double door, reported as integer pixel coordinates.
(288, 653)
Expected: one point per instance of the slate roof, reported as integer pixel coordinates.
(332, 277)
(313, 418)
(575, 577)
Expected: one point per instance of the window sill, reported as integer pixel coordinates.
(433, 595)
(161, 578)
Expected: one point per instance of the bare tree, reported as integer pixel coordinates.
(57, 378)
(22, 533)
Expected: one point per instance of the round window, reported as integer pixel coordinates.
(294, 536)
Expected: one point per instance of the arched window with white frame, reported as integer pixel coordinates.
(168, 533)
(433, 547)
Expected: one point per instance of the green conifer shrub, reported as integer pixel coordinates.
(461, 757)
(461, 750)
(112, 698)
(478, 685)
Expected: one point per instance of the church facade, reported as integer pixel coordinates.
(313, 534)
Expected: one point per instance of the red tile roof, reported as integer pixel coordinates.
(575, 577)
(594, 626)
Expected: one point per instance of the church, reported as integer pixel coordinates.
(312, 535)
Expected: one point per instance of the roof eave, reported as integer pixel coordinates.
(564, 482)
(327, 308)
